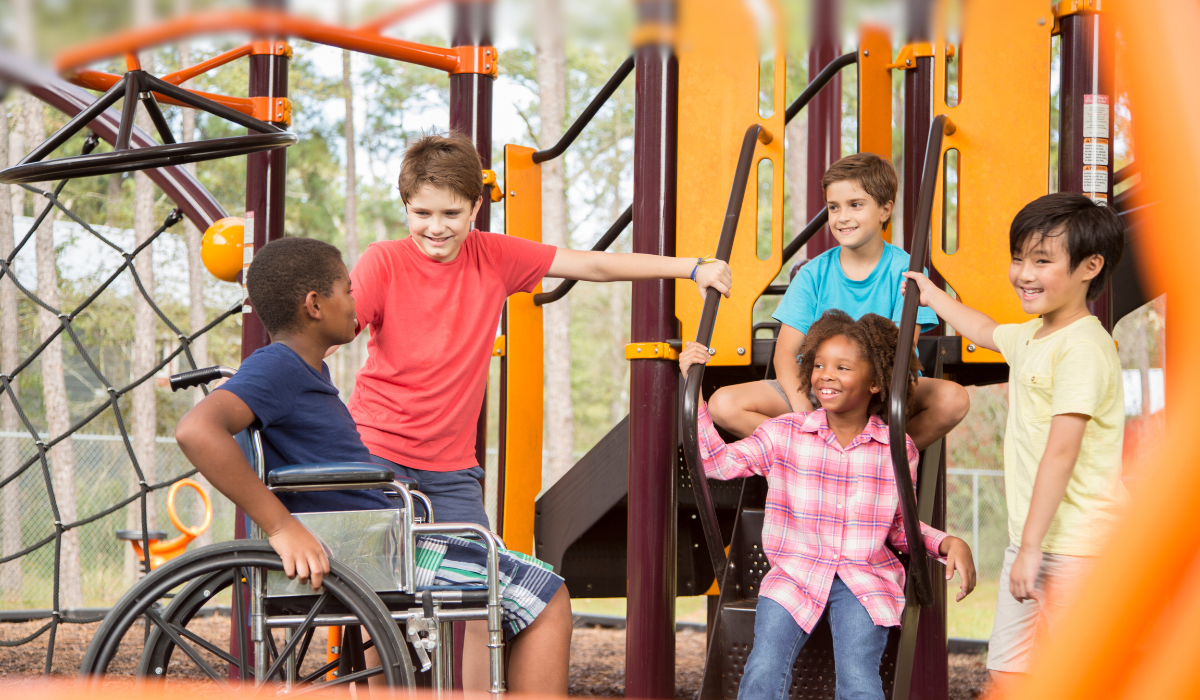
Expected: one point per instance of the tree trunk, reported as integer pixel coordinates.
(10, 503)
(196, 274)
(556, 323)
(353, 360)
(16, 146)
(796, 166)
(144, 421)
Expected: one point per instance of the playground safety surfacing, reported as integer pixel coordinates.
(597, 664)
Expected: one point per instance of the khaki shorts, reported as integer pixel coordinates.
(1018, 626)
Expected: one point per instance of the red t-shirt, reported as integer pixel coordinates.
(433, 325)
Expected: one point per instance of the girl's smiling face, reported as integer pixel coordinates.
(841, 377)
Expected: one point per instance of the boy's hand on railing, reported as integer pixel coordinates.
(303, 554)
(928, 288)
(693, 353)
(958, 558)
(716, 275)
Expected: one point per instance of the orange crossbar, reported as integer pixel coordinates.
(275, 24)
(182, 76)
(387, 19)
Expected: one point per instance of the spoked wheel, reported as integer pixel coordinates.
(183, 644)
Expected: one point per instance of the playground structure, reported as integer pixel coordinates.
(624, 521)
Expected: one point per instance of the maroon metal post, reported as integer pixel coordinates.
(824, 116)
(653, 384)
(265, 196)
(1085, 155)
(471, 115)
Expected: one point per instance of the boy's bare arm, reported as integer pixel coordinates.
(205, 435)
(594, 266)
(1049, 488)
(975, 325)
(787, 370)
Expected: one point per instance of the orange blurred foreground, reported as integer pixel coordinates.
(130, 688)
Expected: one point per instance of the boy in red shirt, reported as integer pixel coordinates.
(433, 302)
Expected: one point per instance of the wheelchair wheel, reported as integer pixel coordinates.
(184, 643)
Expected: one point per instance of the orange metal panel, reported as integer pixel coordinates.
(875, 96)
(522, 405)
(718, 47)
(1003, 139)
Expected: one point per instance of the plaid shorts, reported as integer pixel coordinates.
(526, 584)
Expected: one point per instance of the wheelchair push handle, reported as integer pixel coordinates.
(196, 377)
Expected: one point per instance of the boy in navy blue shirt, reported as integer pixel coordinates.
(860, 276)
(301, 291)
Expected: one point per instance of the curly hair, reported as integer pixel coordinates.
(876, 338)
(282, 274)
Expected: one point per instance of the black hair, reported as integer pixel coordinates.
(877, 339)
(282, 274)
(1090, 229)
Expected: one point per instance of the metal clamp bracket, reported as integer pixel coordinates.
(909, 53)
(270, 48)
(1066, 8)
(500, 347)
(275, 110)
(484, 60)
(489, 178)
(650, 351)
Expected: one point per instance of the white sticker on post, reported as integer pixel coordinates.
(1098, 197)
(1095, 151)
(1095, 179)
(1095, 116)
(247, 256)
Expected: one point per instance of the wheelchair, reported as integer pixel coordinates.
(371, 591)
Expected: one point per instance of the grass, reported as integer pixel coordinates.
(970, 619)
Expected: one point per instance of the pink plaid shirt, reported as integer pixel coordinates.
(829, 511)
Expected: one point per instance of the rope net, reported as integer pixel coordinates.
(118, 454)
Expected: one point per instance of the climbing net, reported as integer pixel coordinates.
(44, 444)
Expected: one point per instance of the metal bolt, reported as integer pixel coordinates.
(866, 53)
(639, 349)
(1041, 21)
(712, 351)
(741, 351)
(971, 347)
(158, 671)
(512, 193)
(908, 61)
(207, 593)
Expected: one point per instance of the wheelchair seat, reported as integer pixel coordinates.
(335, 473)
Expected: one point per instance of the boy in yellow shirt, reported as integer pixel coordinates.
(1066, 418)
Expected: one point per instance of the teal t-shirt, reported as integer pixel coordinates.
(822, 285)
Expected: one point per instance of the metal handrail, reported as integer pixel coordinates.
(605, 241)
(592, 109)
(695, 375)
(918, 568)
(814, 86)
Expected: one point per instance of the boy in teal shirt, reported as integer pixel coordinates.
(860, 276)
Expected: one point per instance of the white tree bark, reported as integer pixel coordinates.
(796, 166)
(144, 420)
(353, 360)
(16, 146)
(197, 275)
(10, 503)
(556, 317)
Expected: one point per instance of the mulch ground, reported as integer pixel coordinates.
(597, 658)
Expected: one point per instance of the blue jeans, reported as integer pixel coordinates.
(457, 496)
(857, 649)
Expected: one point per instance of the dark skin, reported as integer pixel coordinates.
(843, 382)
(206, 435)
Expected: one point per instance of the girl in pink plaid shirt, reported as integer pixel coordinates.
(832, 507)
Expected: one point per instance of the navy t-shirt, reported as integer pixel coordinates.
(303, 421)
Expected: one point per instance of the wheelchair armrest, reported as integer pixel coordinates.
(335, 474)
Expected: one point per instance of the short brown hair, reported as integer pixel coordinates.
(877, 339)
(875, 175)
(450, 162)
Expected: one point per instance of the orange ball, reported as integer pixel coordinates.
(221, 249)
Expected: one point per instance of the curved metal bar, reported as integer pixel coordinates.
(605, 241)
(582, 120)
(814, 86)
(918, 568)
(695, 375)
(175, 181)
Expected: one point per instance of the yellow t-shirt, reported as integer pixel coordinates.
(1072, 370)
